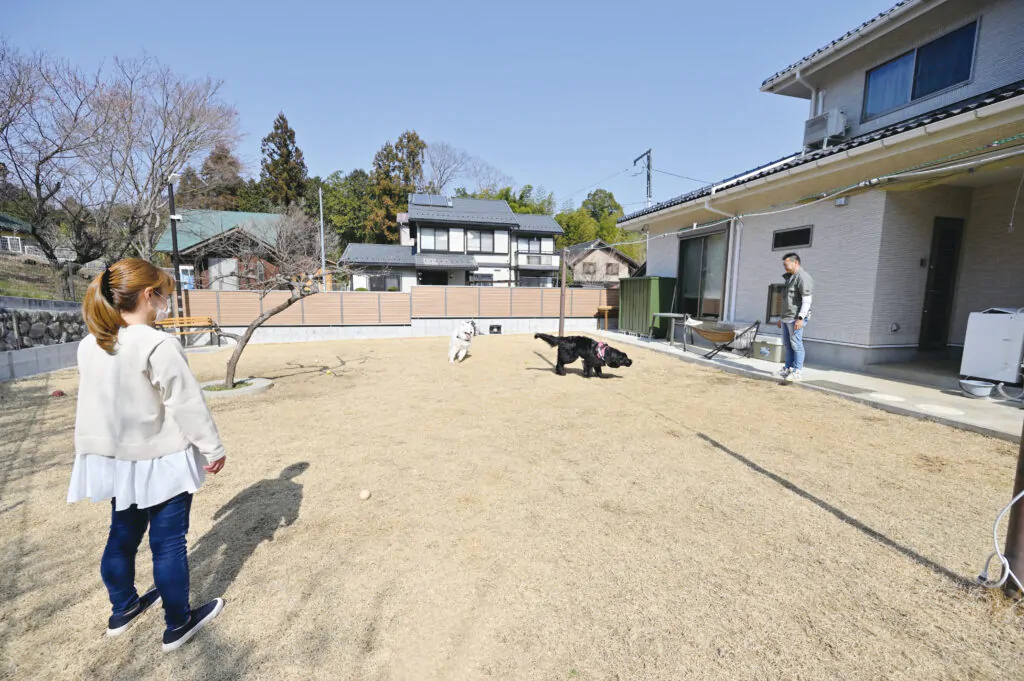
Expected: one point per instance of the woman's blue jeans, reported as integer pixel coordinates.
(168, 524)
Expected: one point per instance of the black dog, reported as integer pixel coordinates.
(594, 353)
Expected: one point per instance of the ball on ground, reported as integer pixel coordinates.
(364, 495)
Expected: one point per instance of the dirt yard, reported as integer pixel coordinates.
(665, 522)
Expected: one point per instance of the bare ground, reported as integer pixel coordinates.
(670, 522)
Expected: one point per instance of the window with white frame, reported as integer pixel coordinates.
(433, 238)
(612, 269)
(479, 241)
(10, 244)
(936, 66)
(528, 244)
(589, 268)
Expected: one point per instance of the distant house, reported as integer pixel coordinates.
(207, 260)
(595, 263)
(16, 237)
(454, 241)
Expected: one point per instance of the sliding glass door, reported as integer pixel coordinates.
(701, 282)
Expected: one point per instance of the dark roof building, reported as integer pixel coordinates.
(453, 240)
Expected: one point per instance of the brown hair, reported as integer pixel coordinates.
(117, 290)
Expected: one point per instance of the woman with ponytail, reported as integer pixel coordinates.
(144, 439)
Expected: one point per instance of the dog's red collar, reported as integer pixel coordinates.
(601, 348)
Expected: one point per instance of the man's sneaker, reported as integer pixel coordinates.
(794, 376)
(117, 624)
(201, 616)
(783, 372)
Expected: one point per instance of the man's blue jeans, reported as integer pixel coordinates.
(793, 344)
(168, 524)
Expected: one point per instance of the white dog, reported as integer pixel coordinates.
(458, 347)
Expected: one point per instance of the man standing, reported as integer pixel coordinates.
(796, 310)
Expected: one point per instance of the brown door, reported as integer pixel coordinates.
(947, 236)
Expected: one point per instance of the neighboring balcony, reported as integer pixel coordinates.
(537, 261)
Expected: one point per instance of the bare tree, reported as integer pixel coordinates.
(161, 124)
(45, 149)
(487, 177)
(15, 85)
(291, 263)
(90, 155)
(445, 163)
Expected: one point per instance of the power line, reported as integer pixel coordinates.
(590, 186)
(684, 177)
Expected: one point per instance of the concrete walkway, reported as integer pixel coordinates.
(992, 417)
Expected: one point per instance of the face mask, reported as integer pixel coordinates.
(162, 314)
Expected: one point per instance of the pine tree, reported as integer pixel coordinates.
(283, 170)
(221, 174)
(397, 172)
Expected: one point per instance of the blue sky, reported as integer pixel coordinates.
(560, 94)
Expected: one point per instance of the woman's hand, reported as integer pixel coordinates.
(216, 466)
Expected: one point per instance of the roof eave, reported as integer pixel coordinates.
(877, 27)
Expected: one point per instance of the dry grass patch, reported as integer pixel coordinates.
(671, 522)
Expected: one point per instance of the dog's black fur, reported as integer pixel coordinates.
(571, 348)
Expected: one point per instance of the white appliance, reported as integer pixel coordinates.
(994, 346)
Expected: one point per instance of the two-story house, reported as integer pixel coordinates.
(901, 201)
(595, 263)
(446, 241)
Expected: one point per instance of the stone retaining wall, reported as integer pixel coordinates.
(20, 329)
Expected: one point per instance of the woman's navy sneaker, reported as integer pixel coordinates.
(117, 624)
(175, 638)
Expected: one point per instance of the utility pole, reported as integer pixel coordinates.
(650, 169)
(323, 255)
(561, 302)
(1014, 551)
(175, 256)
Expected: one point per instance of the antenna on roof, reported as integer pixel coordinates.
(649, 170)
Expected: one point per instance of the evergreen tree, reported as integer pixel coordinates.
(397, 172)
(283, 170)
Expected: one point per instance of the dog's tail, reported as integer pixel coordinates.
(553, 341)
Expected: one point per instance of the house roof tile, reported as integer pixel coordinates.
(577, 252)
(539, 224)
(9, 223)
(378, 254)
(197, 226)
(472, 211)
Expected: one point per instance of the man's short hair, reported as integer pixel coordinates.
(791, 256)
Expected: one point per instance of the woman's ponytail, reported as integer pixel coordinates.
(117, 289)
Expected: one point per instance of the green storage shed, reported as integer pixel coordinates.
(641, 297)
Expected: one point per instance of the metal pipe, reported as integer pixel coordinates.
(738, 226)
(175, 256)
(561, 302)
(814, 92)
(968, 165)
(711, 209)
(323, 255)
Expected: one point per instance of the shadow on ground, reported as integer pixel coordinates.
(251, 518)
(839, 514)
(575, 371)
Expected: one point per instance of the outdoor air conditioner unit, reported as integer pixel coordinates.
(824, 126)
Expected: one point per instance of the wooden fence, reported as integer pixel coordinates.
(364, 308)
